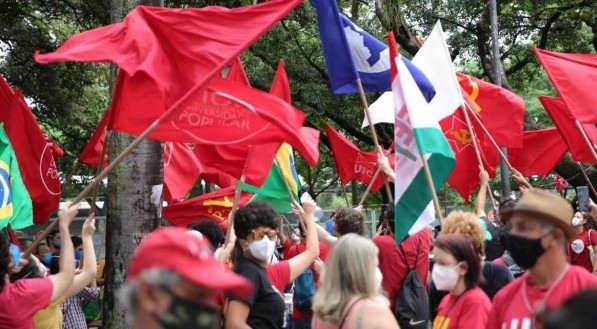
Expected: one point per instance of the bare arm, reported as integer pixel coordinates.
(481, 197)
(63, 279)
(281, 234)
(229, 241)
(324, 236)
(236, 315)
(521, 181)
(83, 279)
(384, 165)
(300, 262)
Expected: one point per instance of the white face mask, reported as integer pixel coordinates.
(444, 277)
(263, 249)
(378, 277)
(576, 221)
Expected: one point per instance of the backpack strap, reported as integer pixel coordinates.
(406, 259)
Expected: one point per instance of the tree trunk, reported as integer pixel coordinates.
(131, 215)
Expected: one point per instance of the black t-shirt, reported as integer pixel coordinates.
(493, 248)
(496, 277)
(266, 304)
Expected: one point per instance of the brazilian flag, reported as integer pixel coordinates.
(273, 191)
(15, 203)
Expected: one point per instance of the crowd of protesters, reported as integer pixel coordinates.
(528, 264)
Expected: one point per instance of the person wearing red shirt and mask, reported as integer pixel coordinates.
(578, 248)
(540, 225)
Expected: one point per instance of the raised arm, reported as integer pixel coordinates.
(229, 241)
(521, 181)
(384, 165)
(300, 262)
(84, 278)
(482, 196)
(62, 280)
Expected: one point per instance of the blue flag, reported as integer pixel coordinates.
(351, 53)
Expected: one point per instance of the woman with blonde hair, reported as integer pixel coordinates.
(350, 293)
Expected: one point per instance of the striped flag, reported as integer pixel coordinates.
(417, 133)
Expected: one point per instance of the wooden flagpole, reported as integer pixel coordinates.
(586, 139)
(582, 170)
(438, 210)
(99, 169)
(490, 138)
(477, 151)
(345, 195)
(373, 132)
(370, 186)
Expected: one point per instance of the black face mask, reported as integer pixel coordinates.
(186, 314)
(525, 252)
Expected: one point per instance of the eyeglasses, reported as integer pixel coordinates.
(260, 233)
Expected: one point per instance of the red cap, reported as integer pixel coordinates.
(188, 254)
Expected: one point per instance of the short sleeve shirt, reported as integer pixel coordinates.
(19, 301)
(469, 310)
(266, 302)
(578, 249)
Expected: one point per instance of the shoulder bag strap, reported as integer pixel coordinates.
(348, 312)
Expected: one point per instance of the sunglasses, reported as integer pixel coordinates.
(260, 233)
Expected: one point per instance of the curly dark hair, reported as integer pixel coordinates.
(51, 235)
(210, 229)
(77, 241)
(248, 218)
(348, 220)
(4, 258)
(504, 204)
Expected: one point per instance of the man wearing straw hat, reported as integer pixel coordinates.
(540, 226)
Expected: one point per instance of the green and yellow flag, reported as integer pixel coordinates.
(15, 203)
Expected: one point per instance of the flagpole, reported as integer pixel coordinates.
(582, 170)
(370, 186)
(477, 151)
(230, 232)
(504, 158)
(289, 191)
(345, 195)
(586, 138)
(99, 168)
(373, 132)
(432, 189)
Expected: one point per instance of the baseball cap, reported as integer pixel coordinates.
(188, 254)
(544, 205)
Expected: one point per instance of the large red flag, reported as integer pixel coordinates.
(214, 176)
(501, 111)
(91, 154)
(465, 176)
(237, 72)
(215, 205)
(181, 171)
(564, 121)
(34, 151)
(575, 78)
(352, 163)
(542, 151)
(163, 72)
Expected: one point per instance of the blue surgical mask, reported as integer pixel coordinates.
(78, 254)
(57, 242)
(47, 259)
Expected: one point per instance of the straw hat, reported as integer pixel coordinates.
(547, 206)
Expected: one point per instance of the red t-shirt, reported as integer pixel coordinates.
(19, 301)
(279, 275)
(500, 261)
(392, 265)
(292, 249)
(510, 310)
(578, 249)
(469, 310)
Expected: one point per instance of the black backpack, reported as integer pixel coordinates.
(412, 301)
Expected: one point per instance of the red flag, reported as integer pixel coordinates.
(181, 171)
(465, 176)
(542, 151)
(160, 74)
(214, 176)
(215, 205)
(564, 121)
(281, 84)
(575, 78)
(34, 151)
(352, 163)
(90, 155)
(561, 183)
(237, 72)
(501, 111)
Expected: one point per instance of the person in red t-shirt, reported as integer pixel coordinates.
(457, 269)
(20, 300)
(578, 247)
(391, 260)
(540, 225)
